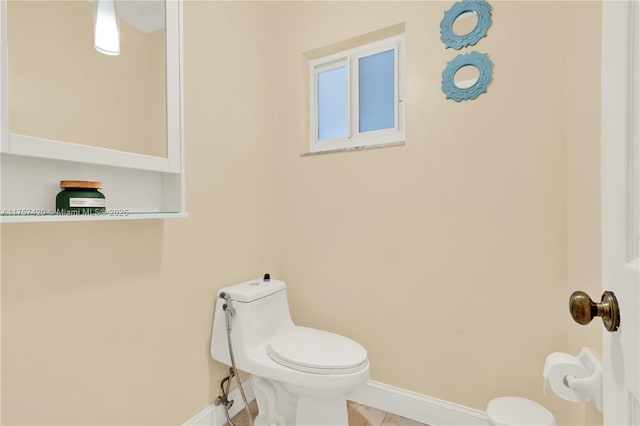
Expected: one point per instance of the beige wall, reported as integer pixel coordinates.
(450, 258)
(63, 89)
(583, 174)
(109, 323)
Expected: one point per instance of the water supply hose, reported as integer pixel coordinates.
(228, 313)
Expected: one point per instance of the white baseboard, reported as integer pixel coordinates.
(418, 407)
(203, 418)
(214, 415)
(414, 406)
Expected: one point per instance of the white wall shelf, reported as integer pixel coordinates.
(29, 185)
(79, 218)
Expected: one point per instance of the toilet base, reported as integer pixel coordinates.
(322, 411)
(278, 407)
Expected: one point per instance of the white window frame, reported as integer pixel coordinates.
(350, 58)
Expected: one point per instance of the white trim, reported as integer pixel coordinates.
(634, 265)
(203, 418)
(214, 415)
(418, 407)
(633, 177)
(411, 405)
(174, 104)
(4, 98)
(31, 146)
(358, 49)
(182, 179)
(621, 376)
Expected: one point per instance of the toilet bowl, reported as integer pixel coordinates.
(516, 411)
(300, 376)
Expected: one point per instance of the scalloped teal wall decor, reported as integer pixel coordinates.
(481, 8)
(476, 59)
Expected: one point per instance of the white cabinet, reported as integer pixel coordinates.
(136, 186)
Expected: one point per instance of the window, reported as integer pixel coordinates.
(356, 97)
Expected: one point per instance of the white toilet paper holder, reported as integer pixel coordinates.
(589, 386)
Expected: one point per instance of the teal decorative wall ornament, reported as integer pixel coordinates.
(482, 10)
(459, 92)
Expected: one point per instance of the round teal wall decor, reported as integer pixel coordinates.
(481, 8)
(475, 59)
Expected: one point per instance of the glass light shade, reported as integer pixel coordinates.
(106, 31)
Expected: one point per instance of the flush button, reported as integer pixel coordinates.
(254, 283)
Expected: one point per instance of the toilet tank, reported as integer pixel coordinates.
(261, 310)
(251, 290)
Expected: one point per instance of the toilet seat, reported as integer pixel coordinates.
(317, 351)
(513, 410)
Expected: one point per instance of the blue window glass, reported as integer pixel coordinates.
(332, 103)
(376, 91)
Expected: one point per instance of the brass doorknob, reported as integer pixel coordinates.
(583, 309)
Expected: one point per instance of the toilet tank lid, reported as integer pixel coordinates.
(251, 290)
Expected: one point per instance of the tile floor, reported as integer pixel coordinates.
(359, 415)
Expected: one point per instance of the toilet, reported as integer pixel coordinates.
(516, 411)
(299, 375)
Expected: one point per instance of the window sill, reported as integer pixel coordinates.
(355, 148)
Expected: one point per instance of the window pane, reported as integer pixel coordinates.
(376, 91)
(332, 103)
